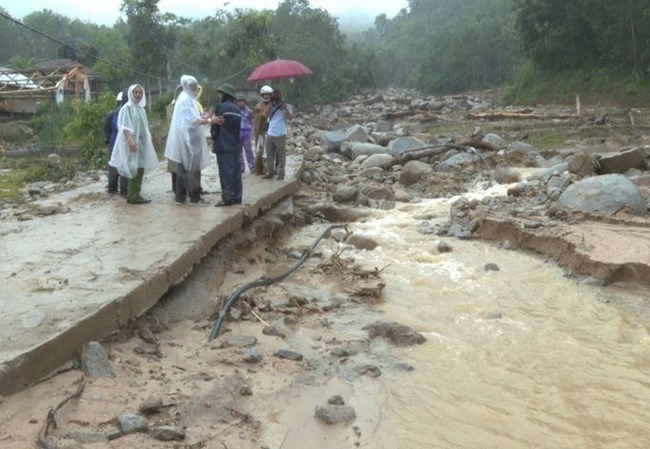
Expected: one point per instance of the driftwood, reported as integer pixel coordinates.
(401, 114)
(518, 115)
(600, 120)
(421, 153)
(51, 419)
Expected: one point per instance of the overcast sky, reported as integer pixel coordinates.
(106, 12)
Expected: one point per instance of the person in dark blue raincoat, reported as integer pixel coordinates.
(110, 131)
(225, 138)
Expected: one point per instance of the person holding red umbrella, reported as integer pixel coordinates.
(259, 127)
(278, 114)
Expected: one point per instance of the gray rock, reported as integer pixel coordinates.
(518, 190)
(332, 140)
(491, 266)
(398, 334)
(641, 180)
(336, 400)
(273, 332)
(545, 173)
(375, 173)
(556, 185)
(289, 355)
(132, 423)
(506, 175)
(94, 361)
(378, 192)
(337, 214)
(334, 414)
(346, 194)
(313, 154)
(382, 126)
(252, 355)
(458, 231)
(362, 241)
(456, 161)
(402, 196)
(621, 162)
(413, 171)
(592, 281)
(112, 433)
(606, 194)
(307, 177)
(521, 147)
(582, 164)
(352, 150)
(404, 144)
(378, 160)
(495, 139)
(152, 404)
(168, 433)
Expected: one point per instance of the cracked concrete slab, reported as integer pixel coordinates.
(92, 262)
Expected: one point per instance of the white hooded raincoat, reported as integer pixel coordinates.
(186, 141)
(133, 118)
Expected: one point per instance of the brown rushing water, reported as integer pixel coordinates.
(515, 358)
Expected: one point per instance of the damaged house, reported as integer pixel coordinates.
(22, 92)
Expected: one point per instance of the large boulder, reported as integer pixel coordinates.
(582, 163)
(456, 161)
(413, 171)
(606, 194)
(495, 140)
(404, 144)
(378, 160)
(623, 161)
(353, 150)
(332, 140)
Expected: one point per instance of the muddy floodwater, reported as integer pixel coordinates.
(522, 356)
(518, 353)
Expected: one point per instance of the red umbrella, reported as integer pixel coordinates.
(280, 68)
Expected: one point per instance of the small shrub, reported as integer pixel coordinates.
(52, 171)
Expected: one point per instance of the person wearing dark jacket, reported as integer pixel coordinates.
(225, 138)
(110, 131)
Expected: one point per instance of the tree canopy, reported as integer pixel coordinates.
(437, 46)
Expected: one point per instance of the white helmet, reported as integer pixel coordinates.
(266, 90)
(119, 96)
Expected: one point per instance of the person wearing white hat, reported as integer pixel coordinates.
(260, 126)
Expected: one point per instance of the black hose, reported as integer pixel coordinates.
(263, 282)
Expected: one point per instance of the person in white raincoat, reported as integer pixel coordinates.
(134, 154)
(187, 144)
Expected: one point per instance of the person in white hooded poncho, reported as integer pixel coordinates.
(187, 144)
(134, 154)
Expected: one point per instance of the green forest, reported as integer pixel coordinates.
(533, 50)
